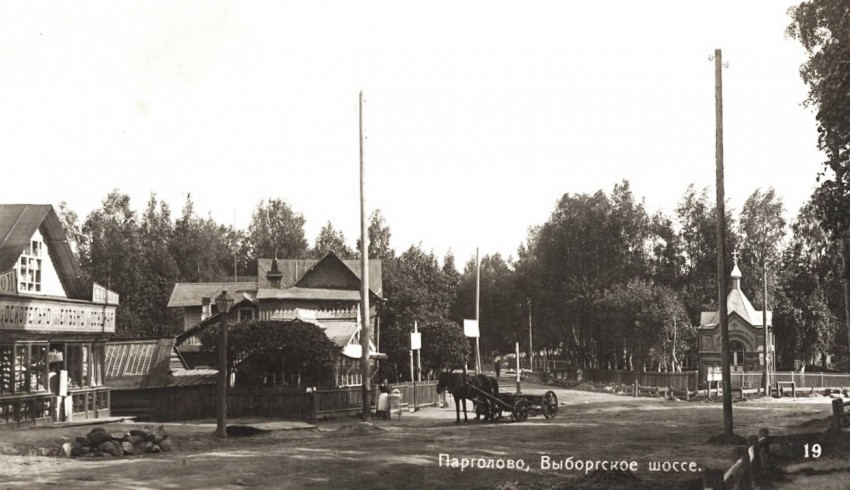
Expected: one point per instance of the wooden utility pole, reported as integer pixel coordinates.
(530, 345)
(364, 283)
(477, 302)
(721, 245)
(764, 323)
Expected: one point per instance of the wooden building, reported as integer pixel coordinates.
(324, 291)
(53, 325)
(746, 333)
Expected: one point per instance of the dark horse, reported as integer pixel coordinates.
(461, 391)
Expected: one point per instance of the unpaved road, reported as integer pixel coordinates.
(406, 453)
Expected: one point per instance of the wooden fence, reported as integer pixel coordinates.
(678, 381)
(801, 380)
(199, 402)
(752, 460)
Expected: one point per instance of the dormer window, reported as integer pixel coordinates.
(29, 266)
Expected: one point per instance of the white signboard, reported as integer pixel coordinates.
(103, 296)
(415, 341)
(9, 282)
(470, 328)
(714, 374)
(36, 314)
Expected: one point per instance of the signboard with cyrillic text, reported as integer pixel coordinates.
(9, 282)
(36, 314)
(103, 296)
(415, 341)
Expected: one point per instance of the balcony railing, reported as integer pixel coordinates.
(89, 403)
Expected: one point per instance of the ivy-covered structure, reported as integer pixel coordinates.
(324, 292)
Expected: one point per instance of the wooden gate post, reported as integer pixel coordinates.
(837, 408)
(713, 479)
(753, 443)
(745, 480)
(764, 449)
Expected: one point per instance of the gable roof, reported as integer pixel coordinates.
(192, 293)
(19, 222)
(736, 302)
(293, 270)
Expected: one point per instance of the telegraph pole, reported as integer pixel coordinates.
(721, 245)
(764, 323)
(477, 302)
(364, 283)
(530, 346)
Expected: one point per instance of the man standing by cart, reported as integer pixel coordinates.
(498, 366)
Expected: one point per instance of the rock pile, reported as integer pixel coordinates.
(99, 442)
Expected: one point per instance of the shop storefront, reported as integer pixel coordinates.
(53, 327)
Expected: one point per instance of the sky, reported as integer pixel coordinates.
(478, 116)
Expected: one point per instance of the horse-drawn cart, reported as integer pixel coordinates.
(518, 405)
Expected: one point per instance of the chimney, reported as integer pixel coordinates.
(206, 307)
(274, 275)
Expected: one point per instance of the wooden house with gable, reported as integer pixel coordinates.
(324, 292)
(54, 326)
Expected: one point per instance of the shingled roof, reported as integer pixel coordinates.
(736, 302)
(191, 293)
(293, 270)
(19, 222)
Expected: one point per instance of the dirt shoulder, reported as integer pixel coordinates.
(419, 448)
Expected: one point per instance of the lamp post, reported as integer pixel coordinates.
(223, 302)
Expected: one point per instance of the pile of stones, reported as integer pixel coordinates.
(98, 442)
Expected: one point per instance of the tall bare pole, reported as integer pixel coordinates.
(364, 283)
(477, 303)
(721, 245)
(530, 346)
(764, 324)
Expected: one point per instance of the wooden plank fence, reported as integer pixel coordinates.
(752, 460)
(683, 381)
(198, 402)
(752, 380)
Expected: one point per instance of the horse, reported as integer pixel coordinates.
(459, 386)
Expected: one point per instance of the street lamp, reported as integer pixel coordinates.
(223, 302)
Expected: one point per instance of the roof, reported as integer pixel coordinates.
(340, 332)
(736, 302)
(191, 293)
(309, 293)
(150, 363)
(18, 223)
(293, 270)
(138, 363)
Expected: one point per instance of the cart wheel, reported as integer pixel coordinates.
(520, 412)
(550, 405)
(497, 413)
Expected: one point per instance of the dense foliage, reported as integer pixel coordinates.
(296, 352)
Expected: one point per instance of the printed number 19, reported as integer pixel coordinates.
(815, 453)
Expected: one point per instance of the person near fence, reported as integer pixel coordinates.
(497, 365)
(383, 411)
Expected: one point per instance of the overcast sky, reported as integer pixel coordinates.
(478, 115)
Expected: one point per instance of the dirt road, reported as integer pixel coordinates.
(427, 450)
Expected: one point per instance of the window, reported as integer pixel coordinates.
(23, 367)
(246, 314)
(29, 265)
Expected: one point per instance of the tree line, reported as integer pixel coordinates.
(603, 282)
